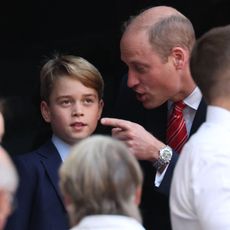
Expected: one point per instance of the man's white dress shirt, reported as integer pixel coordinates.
(200, 190)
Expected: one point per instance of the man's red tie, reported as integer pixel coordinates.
(176, 131)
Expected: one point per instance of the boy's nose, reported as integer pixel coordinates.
(77, 110)
(77, 113)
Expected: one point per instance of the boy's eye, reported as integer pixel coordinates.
(88, 101)
(65, 102)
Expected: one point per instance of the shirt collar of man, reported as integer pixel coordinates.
(192, 100)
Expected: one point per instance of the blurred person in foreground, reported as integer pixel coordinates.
(2, 123)
(101, 184)
(9, 179)
(8, 186)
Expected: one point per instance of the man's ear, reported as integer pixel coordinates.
(101, 105)
(45, 111)
(179, 57)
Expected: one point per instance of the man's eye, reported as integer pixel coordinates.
(140, 69)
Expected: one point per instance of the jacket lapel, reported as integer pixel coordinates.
(199, 117)
(51, 161)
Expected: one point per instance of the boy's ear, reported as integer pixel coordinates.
(45, 111)
(101, 105)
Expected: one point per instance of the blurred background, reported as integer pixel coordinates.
(33, 30)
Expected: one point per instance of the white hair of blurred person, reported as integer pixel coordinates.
(8, 186)
(100, 176)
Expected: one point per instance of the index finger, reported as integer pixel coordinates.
(114, 122)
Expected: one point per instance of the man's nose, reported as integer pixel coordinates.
(132, 79)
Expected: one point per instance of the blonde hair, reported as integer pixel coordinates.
(101, 177)
(73, 67)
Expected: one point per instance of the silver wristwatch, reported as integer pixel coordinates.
(164, 158)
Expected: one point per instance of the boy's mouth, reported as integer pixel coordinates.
(77, 124)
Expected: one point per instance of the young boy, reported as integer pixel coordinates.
(71, 93)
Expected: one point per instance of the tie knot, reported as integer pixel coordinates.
(179, 106)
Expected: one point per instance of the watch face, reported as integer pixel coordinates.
(165, 157)
(167, 154)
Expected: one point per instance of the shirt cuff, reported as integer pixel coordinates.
(159, 177)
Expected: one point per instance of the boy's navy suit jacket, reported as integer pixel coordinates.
(40, 205)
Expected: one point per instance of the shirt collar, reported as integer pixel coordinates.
(62, 147)
(192, 100)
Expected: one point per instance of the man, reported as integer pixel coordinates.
(156, 47)
(8, 181)
(200, 195)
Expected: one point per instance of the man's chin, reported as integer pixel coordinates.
(149, 105)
